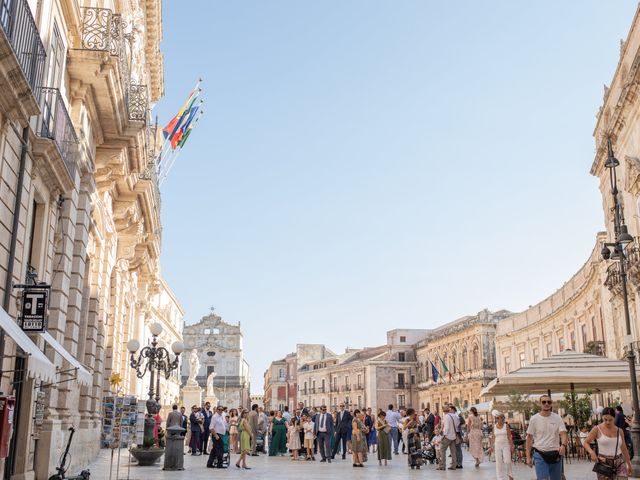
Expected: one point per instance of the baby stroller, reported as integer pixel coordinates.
(260, 442)
(226, 457)
(429, 453)
(415, 450)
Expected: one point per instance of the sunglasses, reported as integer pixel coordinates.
(545, 402)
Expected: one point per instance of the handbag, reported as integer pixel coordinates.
(603, 468)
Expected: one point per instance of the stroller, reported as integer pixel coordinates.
(226, 456)
(429, 453)
(260, 442)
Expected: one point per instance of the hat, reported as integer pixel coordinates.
(496, 413)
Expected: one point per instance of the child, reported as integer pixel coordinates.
(437, 439)
(294, 438)
(308, 437)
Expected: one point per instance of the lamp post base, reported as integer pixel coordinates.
(635, 461)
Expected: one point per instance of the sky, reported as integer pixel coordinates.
(364, 165)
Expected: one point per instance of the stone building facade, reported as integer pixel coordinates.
(586, 313)
(79, 211)
(281, 378)
(221, 353)
(466, 347)
(369, 377)
(570, 319)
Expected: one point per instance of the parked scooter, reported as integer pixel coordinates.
(62, 468)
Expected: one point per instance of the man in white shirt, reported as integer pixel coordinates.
(218, 427)
(450, 426)
(393, 418)
(547, 435)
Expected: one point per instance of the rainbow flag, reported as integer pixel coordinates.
(178, 122)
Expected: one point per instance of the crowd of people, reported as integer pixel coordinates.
(314, 433)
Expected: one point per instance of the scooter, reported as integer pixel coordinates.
(62, 468)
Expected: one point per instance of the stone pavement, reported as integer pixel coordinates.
(282, 467)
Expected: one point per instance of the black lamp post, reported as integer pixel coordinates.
(616, 251)
(157, 361)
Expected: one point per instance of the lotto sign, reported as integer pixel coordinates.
(34, 310)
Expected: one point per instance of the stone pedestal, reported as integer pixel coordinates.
(191, 395)
(213, 400)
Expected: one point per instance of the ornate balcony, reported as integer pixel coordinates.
(401, 385)
(58, 140)
(346, 388)
(103, 59)
(25, 54)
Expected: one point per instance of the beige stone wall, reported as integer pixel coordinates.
(569, 319)
(467, 348)
(91, 208)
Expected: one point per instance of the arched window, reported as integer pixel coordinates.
(475, 358)
(453, 368)
(465, 360)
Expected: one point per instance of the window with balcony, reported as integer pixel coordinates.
(401, 356)
(55, 66)
(401, 381)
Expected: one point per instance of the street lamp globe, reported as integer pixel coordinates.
(133, 345)
(177, 347)
(156, 329)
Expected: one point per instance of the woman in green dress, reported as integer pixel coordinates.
(383, 428)
(278, 444)
(245, 440)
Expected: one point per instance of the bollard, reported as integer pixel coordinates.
(174, 450)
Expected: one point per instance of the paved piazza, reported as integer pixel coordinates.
(282, 467)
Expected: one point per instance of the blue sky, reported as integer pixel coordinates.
(365, 165)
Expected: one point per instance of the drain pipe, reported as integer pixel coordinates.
(18, 375)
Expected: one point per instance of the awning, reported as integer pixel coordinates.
(38, 365)
(82, 375)
(483, 407)
(564, 372)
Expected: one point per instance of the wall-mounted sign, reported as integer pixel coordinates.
(34, 310)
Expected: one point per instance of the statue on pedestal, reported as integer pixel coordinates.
(194, 367)
(211, 395)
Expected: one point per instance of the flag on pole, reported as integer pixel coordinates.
(189, 129)
(176, 139)
(434, 372)
(178, 121)
(445, 370)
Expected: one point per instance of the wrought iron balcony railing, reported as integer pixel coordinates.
(401, 385)
(334, 389)
(20, 28)
(346, 388)
(55, 123)
(103, 30)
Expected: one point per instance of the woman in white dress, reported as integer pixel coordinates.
(502, 446)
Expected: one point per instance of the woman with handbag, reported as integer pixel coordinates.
(383, 429)
(612, 460)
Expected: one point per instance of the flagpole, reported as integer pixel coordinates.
(176, 153)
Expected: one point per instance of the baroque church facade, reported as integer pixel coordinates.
(220, 350)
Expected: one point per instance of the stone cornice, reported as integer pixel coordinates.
(611, 117)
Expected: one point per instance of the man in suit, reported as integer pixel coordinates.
(343, 430)
(323, 430)
(195, 430)
(174, 417)
(204, 439)
(252, 419)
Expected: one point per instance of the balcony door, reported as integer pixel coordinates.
(53, 81)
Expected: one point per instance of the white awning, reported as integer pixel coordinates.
(82, 375)
(38, 365)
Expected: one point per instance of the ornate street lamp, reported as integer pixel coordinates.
(616, 251)
(157, 361)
